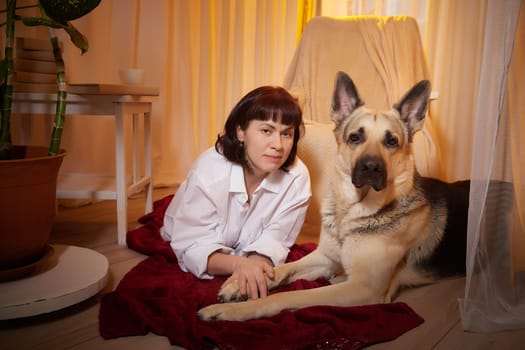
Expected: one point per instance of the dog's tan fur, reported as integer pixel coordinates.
(381, 222)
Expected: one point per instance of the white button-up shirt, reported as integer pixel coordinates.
(210, 212)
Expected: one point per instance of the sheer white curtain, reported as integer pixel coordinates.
(495, 288)
(473, 48)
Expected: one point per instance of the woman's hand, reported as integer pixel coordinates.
(249, 271)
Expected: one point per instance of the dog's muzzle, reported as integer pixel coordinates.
(370, 170)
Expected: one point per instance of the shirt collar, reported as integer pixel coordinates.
(272, 182)
(237, 179)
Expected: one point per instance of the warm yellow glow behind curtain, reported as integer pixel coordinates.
(305, 11)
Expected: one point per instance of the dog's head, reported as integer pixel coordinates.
(375, 146)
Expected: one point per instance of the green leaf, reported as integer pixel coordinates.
(77, 38)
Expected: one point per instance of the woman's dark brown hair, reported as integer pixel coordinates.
(263, 103)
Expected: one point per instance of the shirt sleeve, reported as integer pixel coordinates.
(280, 233)
(191, 221)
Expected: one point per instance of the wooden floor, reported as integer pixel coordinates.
(94, 226)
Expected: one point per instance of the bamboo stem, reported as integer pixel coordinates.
(7, 94)
(60, 111)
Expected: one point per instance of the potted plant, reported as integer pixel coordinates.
(28, 173)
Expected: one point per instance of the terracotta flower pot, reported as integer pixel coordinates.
(27, 204)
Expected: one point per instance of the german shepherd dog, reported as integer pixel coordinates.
(383, 225)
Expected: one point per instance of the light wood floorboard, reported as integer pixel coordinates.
(94, 226)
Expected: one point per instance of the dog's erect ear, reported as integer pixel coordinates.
(345, 98)
(413, 106)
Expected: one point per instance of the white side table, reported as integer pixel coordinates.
(122, 102)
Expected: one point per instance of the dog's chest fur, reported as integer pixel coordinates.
(343, 218)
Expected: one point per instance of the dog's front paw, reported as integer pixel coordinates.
(218, 312)
(230, 293)
(246, 310)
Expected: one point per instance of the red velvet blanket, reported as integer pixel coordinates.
(156, 296)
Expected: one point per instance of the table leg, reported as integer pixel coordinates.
(122, 190)
(147, 161)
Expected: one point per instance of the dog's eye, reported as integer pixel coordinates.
(354, 138)
(391, 141)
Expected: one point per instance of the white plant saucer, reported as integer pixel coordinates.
(71, 275)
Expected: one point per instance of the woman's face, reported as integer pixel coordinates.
(267, 145)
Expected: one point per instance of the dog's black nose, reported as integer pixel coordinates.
(370, 170)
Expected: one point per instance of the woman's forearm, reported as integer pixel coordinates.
(220, 264)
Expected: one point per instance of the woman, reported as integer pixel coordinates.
(244, 201)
